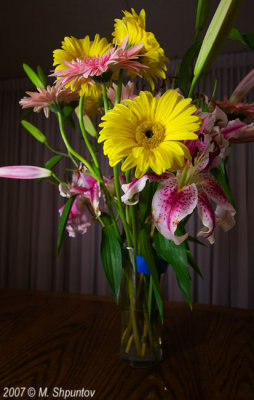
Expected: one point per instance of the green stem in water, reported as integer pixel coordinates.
(133, 317)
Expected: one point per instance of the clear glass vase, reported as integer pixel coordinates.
(141, 330)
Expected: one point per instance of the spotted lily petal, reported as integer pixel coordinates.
(170, 206)
(207, 217)
(137, 185)
(216, 193)
(234, 129)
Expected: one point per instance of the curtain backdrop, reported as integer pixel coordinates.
(29, 213)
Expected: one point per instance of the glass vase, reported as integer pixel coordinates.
(141, 328)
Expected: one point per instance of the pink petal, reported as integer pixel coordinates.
(170, 206)
(207, 217)
(216, 193)
(24, 172)
(234, 129)
(243, 87)
(137, 185)
(224, 218)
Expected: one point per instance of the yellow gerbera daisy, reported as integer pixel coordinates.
(73, 48)
(147, 131)
(153, 55)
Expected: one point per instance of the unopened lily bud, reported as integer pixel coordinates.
(24, 172)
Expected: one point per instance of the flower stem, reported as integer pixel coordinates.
(193, 83)
(70, 149)
(105, 98)
(82, 127)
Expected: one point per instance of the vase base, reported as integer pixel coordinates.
(141, 362)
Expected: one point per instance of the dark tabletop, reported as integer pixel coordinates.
(51, 342)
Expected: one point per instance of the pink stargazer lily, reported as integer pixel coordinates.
(86, 186)
(79, 219)
(24, 172)
(174, 200)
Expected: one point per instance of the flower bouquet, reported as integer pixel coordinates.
(167, 149)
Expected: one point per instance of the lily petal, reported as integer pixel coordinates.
(137, 185)
(207, 217)
(224, 218)
(216, 193)
(170, 206)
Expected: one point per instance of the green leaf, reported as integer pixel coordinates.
(26, 114)
(201, 15)
(67, 113)
(63, 222)
(176, 255)
(53, 161)
(247, 39)
(37, 134)
(34, 78)
(111, 258)
(146, 250)
(193, 239)
(42, 76)
(193, 263)
(220, 174)
(186, 67)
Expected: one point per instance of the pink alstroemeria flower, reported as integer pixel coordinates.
(116, 58)
(178, 196)
(86, 186)
(24, 172)
(79, 219)
(45, 97)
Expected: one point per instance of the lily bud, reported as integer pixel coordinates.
(243, 88)
(24, 172)
(216, 34)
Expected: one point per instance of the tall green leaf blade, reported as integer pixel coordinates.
(63, 222)
(35, 132)
(34, 78)
(176, 255)
(111, 258)
(147, 251)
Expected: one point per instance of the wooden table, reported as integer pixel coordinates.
(71, 342)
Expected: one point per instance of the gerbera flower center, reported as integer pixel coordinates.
(149, 134)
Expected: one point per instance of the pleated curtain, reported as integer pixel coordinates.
(29, 212)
